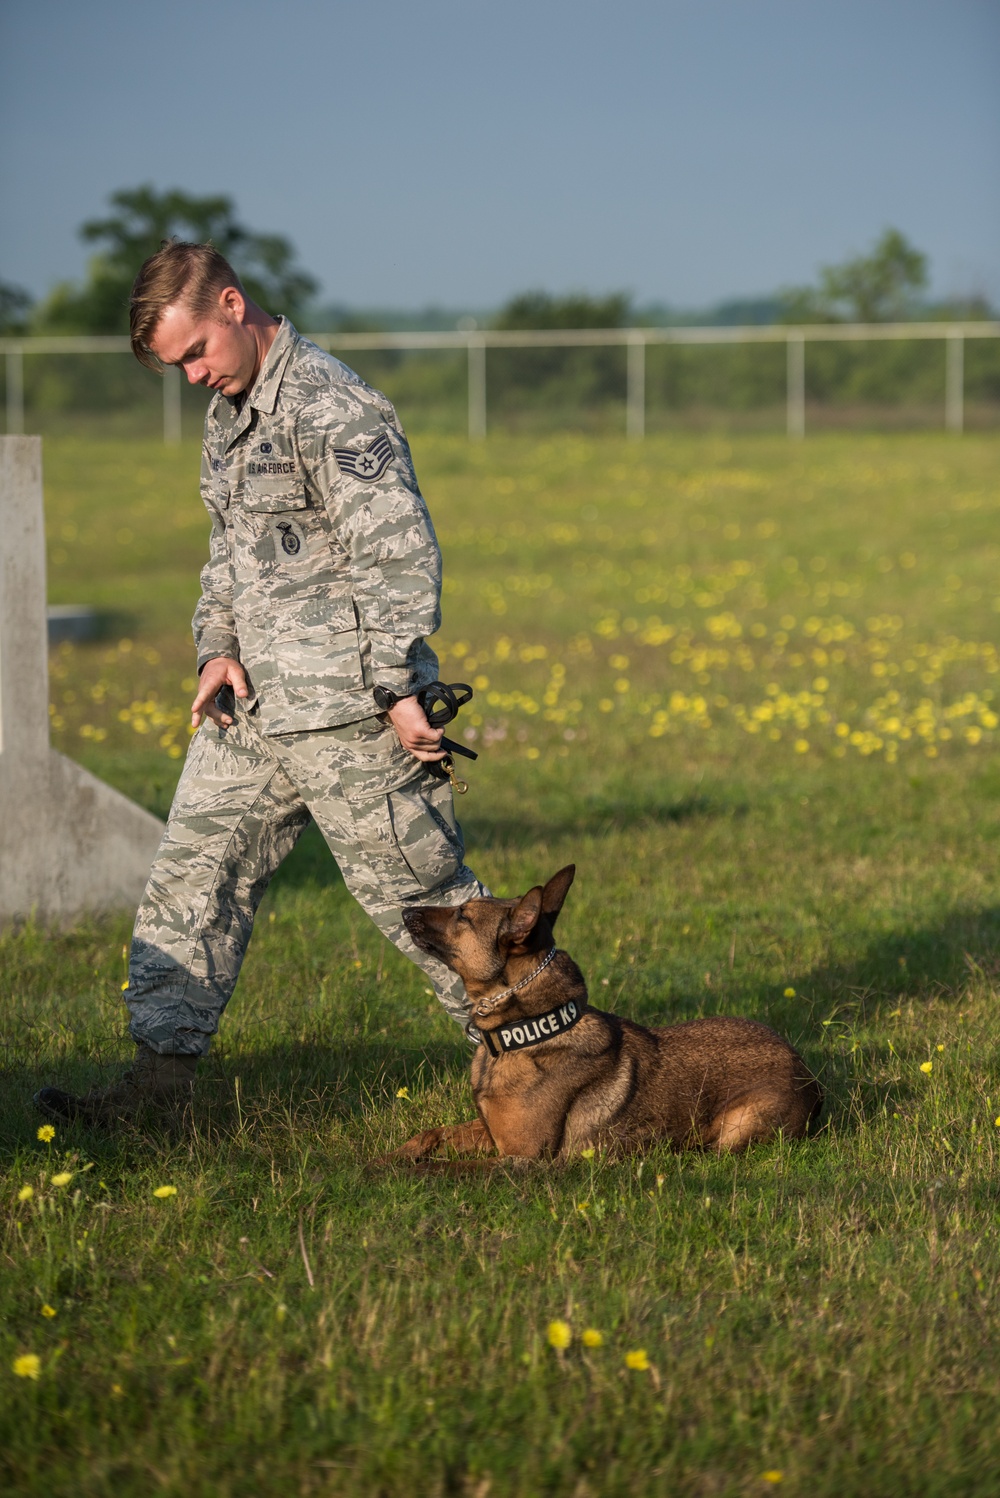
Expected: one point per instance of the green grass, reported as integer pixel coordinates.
(748, 687)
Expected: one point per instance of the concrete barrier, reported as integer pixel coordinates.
(68, 843)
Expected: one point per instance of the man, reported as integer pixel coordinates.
(322, 585)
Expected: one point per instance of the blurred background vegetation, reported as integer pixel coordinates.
(740, 387)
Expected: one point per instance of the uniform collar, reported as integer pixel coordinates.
(233, 419)
(264, 394)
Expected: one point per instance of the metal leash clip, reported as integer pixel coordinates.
(451, 698)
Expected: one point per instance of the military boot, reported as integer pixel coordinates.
(151, 1081)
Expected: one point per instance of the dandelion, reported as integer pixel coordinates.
(927, 1067)
(940, 1047)
(28, 1365)
(559, 1334)
(403, 1092)
(164, 1191)
(789, 993)
(637, 1360)
(592, 1337)
(587, 1154)
(773, 1475)
(48, 1311)
(26, 1193)
(62, 1179)
(46, 1133)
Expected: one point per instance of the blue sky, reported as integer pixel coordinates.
(456, 152)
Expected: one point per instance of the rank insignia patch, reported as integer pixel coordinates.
(370, 463)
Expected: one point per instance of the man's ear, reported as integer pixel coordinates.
(524, 917)
(556, 891)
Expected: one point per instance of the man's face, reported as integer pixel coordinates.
(214, 349)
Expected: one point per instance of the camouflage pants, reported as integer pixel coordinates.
(242, 803)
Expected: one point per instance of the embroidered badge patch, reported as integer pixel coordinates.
(290, 543)
(370, 463)
(288, 536)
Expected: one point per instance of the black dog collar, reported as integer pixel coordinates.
(517, 1037)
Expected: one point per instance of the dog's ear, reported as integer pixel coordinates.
(556, 891)
(524, 917)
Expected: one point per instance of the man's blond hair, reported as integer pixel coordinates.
(194, 274)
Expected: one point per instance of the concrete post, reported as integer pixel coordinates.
(477, 388)
(171, 406)
(15, 391)
(68, 842)
(635, 396)
(796, 387)
(954, 399)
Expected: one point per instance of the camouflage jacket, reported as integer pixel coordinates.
(324, 574)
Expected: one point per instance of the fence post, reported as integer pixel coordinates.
(954, 382)
(796, 377)
(15, 392)
(635, 391)
(171, 406)
(477, 388)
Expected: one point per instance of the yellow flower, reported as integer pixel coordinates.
(62, 1179)
(46, 1133)
(28, 1365)
(125, 985)
(586, 1154)
(592, 1338)
(940, 1047)
(48, 1311)
(26, 1193)
(789, 993)
(165, 1191)
(559, 1334)
(403, 1092)
(927, 1067)
(773, 1475)
(637, 1359)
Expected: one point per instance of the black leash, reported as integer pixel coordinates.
(451, 698)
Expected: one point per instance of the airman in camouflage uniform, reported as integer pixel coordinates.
(323, 582)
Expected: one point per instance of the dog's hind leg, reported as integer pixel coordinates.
(747, 1120)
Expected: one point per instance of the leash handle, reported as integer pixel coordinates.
(451, 698)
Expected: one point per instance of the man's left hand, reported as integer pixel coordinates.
(414, 732)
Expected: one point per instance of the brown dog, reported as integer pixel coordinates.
(553, 1076)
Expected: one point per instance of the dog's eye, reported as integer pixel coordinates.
(461, 916)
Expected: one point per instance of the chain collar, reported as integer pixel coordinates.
(488, 1005)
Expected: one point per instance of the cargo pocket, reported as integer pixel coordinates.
(429, 840)
(317, 651)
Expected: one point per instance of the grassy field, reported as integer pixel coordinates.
(751, 689)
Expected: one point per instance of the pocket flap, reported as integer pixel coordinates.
(271, 497)
(305, 618)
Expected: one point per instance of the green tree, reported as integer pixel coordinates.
(574, 378)
(879, 287)
(142, 220)
(15, 307)
(537, 309)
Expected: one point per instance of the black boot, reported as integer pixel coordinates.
(151, 1080)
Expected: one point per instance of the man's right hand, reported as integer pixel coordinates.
(217, 673)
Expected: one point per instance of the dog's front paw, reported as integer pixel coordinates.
(422, 1146)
